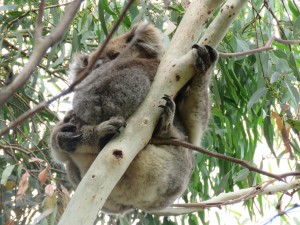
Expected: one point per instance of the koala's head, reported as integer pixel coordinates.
(143, 40)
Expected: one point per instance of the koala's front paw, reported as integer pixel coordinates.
(68, 137)
(107, 129)
(207, 56)
(111, 126)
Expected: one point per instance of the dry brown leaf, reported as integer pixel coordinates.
(278, 120)
(23, 185)
(34, 159)
(43, 175)
(9, 222)
(284, 134)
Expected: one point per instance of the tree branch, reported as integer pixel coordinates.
(81, 76)
(39, 24)
(39, 51)
(220, 156)
(267, 47)
(230, 198)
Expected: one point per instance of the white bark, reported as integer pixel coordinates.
(231, 198)
(107, 169)
(219, 26)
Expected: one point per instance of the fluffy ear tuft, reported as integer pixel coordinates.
(79, 62)
(148, 39)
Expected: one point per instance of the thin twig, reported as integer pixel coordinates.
(220, 156)
(267, 47)
(52, 72)
(82, 75)
(39, 23)
(38, 52)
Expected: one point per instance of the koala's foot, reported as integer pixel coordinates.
(111, 126)
(166, 118)
(107, 129)
(207, 56)
(68, 137)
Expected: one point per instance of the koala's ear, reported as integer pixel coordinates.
(79, 62)
(148, 39)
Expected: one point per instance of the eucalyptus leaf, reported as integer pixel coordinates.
(6, 173)
(241, 175)
(256, 97)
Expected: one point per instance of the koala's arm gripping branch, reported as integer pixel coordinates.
(197, 98)
(114, 159)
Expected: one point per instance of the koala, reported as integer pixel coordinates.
(158, 174)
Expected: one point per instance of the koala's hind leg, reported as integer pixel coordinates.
(194, 102)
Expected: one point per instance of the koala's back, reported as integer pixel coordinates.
(153, 181)
(114, 89)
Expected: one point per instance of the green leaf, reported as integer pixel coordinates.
(269, 133)
(274, 77)
(294, 94)
(241, 175)
(6, 173)
(102, 18)
(297, 28)
(193, 220)
(256, 97)
(280, 54)
(105, 5)
(294, 123)
(293, 8)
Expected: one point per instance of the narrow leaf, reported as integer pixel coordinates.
(6, 173)
(256, 97)
(23, 185)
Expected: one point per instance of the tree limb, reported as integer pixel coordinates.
(230, 198)
(80, 77)
(220, 156)
(267, 47)
(39, 51)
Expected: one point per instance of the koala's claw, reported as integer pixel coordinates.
(68, 137)
(169, 106)
(163, 129)
(212, 53)
(168, 110)
(68, 127)
(111, 126)
(206, 57)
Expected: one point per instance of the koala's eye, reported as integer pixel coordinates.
(113, 55)
(129, 39)
(85, 61)
(98, 63)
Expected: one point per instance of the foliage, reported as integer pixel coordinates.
(255, 99)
